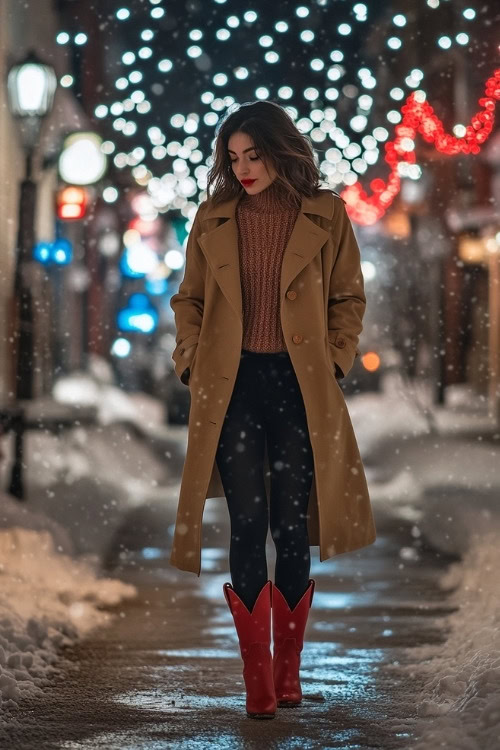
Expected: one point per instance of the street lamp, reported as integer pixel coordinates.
(31, 87)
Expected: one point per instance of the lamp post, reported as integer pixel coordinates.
(31, 87)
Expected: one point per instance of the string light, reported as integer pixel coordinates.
(419, 117)
(349, 143)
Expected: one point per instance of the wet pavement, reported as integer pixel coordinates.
(167, 673)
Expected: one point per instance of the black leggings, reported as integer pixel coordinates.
(267, 403)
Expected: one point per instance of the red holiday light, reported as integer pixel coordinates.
(419, 117)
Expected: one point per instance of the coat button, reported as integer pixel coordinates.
(296, 339)
(291, 294)
(340, 342)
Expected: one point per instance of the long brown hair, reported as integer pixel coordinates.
(277, 141)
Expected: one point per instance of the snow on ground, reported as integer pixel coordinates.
(90, 477)
(460, 703)
(440, 468)
(51, 592)
(436, 466)
(47, 600)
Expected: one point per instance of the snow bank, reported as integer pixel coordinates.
(87, 481)
(96, 388)
(438, 467)
(459, 706)
(47, 600)
(90, 478)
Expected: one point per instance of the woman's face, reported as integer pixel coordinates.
(247, 164)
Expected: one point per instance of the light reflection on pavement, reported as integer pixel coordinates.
(172, 679)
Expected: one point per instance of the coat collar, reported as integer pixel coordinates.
(321, 205)
(220, 246)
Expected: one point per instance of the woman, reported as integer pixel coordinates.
(268, 315)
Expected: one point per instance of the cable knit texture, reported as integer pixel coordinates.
(265, 224)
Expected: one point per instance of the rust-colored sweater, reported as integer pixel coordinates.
(265, 224)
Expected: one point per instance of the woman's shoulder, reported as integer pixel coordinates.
(207, 205)
(335, 197)
(325, 202)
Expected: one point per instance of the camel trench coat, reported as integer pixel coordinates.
(322, 304)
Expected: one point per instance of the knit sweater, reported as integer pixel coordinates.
(265, 224)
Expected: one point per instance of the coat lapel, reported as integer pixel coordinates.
(220, 245)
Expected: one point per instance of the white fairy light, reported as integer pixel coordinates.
(285, 92)
(317, 64)
(394, 42)
(394, 116)
(396, 93)
(311, 93)
(328, 76)
(165, 65)
(271, 57)
(241, 73)
(265, 40)
(307, 35)
(444, 42)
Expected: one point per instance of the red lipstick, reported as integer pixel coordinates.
(247, 182)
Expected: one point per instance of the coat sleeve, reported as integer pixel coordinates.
(188, 303)
(346, 296)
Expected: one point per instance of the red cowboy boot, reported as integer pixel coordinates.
(288, 635)
(254, 634)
